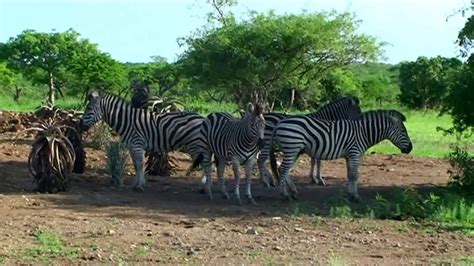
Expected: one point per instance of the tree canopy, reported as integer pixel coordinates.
(257, 57)
(59, 60)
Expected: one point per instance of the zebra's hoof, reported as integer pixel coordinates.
(293, 196)
(138, 189)
(250, 200)
(239, 202)
(225, 195)
(354, 198)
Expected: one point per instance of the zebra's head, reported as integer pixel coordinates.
(93, 112)
(397, 132)
(353, 107)
(257, 123)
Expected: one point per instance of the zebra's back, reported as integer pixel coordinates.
(321, 138)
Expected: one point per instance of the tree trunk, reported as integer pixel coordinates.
(292, 98)
(51, 90)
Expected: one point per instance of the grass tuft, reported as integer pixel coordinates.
(49, 246)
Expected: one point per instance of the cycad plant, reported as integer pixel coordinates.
(52, 156)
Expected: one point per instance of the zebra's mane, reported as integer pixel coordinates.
(390, 112)
(126, 103)
(354, 100)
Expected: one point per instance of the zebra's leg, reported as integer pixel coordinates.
(206, 165)
(352, 164)
(137, 158)
(265, 176)
(288, 161)
(249, 165)
(319, 179)
(221, 164)
(235, 168)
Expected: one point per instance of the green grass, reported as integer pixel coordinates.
(48, 246)
(32, 102)
(427, 140)
(441, 209)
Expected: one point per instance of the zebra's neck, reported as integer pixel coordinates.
(247, 133)
(372, 130)
(120, 115)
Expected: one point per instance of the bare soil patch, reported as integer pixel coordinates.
(172, 223)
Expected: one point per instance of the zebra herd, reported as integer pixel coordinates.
(337, 130)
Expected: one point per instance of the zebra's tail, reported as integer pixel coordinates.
(273, 162)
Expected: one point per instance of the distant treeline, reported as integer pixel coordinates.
(295, 62)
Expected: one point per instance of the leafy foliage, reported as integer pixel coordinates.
(425, 82)
(60, 60)
(462, 172)
(267, 52)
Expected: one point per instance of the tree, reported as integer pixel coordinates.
(460, 99)
(61, 59)
(258, 57)
(425, 82)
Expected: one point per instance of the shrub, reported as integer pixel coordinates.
(462, 170)
(99, 136)
(116, 162)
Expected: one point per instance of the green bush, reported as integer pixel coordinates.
(116, 162)
(99, 136)
(462, 170)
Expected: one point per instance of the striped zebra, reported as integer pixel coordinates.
(342, 108)
(143, 130)
(329, 140)
(234, 140)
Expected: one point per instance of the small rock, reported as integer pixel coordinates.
(110, 232)
(277, 248)
(276, 218)
(298, 229)
(251, 231)
(398, 245)
(149, 233)
(170, 233)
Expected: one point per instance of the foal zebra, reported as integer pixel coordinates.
(143, 130)
(329, 140)
(342, 108)
(235, 140)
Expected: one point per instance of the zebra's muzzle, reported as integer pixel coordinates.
(260, 143)
(82, 126)
(408, 149)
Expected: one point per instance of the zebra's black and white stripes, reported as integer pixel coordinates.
(328, 140)
(234, 140)
(143, 130)
(342, 108)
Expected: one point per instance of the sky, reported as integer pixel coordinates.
(135, 30)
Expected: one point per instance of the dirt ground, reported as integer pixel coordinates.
(172, 223)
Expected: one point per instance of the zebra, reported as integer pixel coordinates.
(234, 140)
(143, 130)
(329, 140)
(342, 108)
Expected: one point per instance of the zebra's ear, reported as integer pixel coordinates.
(94, 94)
(355, 100)
(258, 110)
(250, 108)
(397, 115)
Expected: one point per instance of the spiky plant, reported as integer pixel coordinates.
(74, 135)
(116, 162)
(52, 156)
